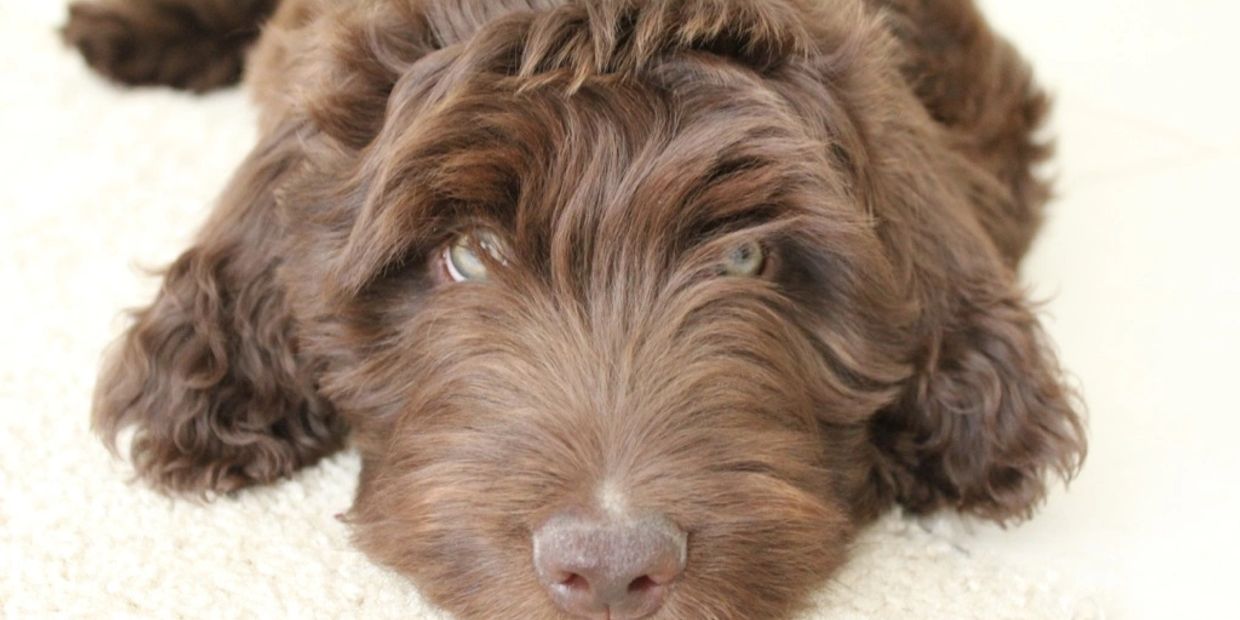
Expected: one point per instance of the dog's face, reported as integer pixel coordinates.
(648, 302)
(632, 309)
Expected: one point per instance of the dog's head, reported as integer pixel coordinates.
(647, 306)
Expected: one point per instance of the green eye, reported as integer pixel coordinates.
(746, 259)
(462, 259)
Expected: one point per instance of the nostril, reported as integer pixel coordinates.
(576, 583)
(642, 584)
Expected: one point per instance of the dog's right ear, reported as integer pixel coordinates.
(210, 376)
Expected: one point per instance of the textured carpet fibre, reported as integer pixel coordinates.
(99, 181)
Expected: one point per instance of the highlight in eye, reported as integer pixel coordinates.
(463, 259)
(745, 260)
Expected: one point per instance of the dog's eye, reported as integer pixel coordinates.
(746, 259)
(462, 259)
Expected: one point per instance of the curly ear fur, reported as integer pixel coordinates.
(987, 416)
(209, 375)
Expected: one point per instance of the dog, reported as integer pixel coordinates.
(631, 308)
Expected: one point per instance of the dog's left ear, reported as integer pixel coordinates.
(987, 416)
(984, 416)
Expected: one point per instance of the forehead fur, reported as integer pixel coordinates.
(619, 102)
(366, 51)
(647, 169)
(611, 36)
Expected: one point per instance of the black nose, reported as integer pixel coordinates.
(608, 568)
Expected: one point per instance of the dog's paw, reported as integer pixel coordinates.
(146, 47)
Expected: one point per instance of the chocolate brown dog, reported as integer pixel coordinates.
(632, 308)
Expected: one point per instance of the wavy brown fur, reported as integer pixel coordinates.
(881, 151)
(197, 45)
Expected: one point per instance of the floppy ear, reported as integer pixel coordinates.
(987, 416)
(209, 375)
(941, 116)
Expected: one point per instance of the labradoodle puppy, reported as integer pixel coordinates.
(631, 308)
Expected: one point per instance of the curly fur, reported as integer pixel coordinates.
(881, 150)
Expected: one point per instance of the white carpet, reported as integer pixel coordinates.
(97, 181)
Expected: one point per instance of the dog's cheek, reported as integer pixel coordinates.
(433, 526)
(763, 544)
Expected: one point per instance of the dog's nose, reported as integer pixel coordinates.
(609, 568)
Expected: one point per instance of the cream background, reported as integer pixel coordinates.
(1139, 261)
